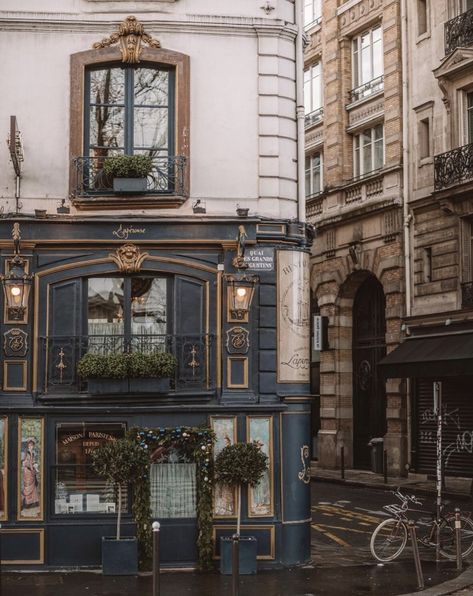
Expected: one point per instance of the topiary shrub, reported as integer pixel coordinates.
(241, 464)
(127, 366)
(120, 462)
(128, 166)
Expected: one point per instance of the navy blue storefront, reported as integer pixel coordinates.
(114, 285)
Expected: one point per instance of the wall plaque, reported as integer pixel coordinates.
(293, 317)
(15, 343)
(260, 259)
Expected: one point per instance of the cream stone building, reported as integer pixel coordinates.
(353, 103)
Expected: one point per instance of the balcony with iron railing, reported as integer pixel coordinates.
(59, 356)
(314, 117)
(367, 89)
(453, 167)
(166, 178)
(467, 294)
(459, 32)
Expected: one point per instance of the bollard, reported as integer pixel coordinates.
(415, 549)
(458, 538)
(342, 461)
(156, 563)
(385, 466)
(235, 564)
(0, 560)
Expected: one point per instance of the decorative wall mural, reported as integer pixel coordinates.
(30, 468)
(260, 497)
(224, 496)
(293, 317)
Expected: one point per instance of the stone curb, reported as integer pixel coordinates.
(451, 586)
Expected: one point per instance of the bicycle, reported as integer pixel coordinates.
(390, 536)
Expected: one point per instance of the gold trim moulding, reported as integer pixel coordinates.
(270, 528)
(24, 364)
(245, 383)
(39, 531)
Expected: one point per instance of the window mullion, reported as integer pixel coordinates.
(129, 109)
(127, 311)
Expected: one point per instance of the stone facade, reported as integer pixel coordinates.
(358, 221)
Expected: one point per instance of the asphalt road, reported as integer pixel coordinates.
(343, 519)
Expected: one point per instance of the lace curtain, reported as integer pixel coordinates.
(173, 490)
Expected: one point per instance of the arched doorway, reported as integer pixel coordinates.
(369, 346)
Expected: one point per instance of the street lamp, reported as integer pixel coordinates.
(16, 282)
(241, 289)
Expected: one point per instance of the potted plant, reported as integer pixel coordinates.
(238, 465)
(125, 373)
(120, 463)
(129, 172)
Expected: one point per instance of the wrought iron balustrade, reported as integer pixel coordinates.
(467, 294)
(453, 167)
(167, 176)
(367, 89)
(459, 32)
(195, 355)
(314, 117)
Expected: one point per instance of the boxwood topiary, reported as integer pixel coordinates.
(127, 366)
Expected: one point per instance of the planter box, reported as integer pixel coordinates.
(247, 558)
(149, 385)
(107, 386)
(130, 185)
(119, 557)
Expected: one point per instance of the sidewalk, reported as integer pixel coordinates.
(458, 488)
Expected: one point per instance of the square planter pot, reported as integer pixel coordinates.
(130, 185)
(247, 558)
(107, 386)
(150, 385)
(119, 557)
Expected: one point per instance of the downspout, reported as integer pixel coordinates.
(407, 217)
(299, 22)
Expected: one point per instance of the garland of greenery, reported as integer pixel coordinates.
(196, 445)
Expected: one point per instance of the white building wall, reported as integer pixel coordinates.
(242, 123)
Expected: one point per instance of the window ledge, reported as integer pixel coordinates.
(129, 202)
(422, 37)
(359, 102)
(426, 161)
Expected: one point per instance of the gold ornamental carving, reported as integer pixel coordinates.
(130, 35)
(128, 258)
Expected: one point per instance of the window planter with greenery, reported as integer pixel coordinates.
(238, 465)
(129, 172)
(127, 373)
(120, 463)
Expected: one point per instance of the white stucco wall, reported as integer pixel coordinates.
(242, 132)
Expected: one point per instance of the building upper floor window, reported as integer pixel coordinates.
(313, 174)
(468, 118)
(313, 92)
(129, 110)
(312, 12)
(422, 17)
(368, 67)
(368, 150)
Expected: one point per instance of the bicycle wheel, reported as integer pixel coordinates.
(388, 540)
(447, 537)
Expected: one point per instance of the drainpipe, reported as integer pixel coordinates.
(299, 21)
(407, 217)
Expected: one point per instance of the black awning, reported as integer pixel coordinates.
(437, 356)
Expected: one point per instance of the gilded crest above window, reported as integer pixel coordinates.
(130, 34)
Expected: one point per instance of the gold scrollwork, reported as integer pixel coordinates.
(128, 258)
(194, 363)
(130, 34)
(304, 474)
(61, 366)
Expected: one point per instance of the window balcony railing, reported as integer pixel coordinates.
(167, 177)
(314, 117)
(459, 32)
(367, 89)
(467, 294)
(313, 23)
(453, 167)
(194, 355)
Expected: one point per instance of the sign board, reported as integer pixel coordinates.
(260, 259)
(319, 338)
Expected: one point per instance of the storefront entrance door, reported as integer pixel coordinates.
(369, 347)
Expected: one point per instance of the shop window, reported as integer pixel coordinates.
(368, 65)
(76, 487)
(124, 312)
(368, 150)
(313, 174)
(312, 12)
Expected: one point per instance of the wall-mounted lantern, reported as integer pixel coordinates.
(16, 282)
(241, 289)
